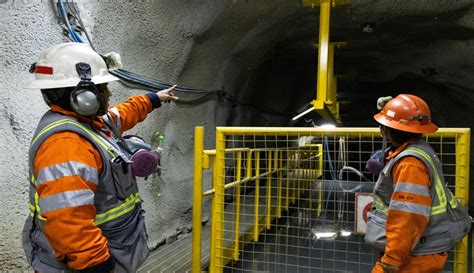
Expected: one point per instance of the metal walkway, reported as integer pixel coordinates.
(176, 257)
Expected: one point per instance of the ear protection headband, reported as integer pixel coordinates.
(85, 99)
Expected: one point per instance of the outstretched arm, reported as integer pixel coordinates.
(135, 109)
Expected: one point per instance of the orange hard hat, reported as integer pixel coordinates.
(407, 113)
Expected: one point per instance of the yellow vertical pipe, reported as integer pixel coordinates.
(237, 207)
(197, 198)
(249, 164)
(310, 181)
(219, 202)
(256, 228)
(323, 51)
(462, 192)
(331, 93)
(279, 165)
(287, 199)
(212, 248)
(269, 190)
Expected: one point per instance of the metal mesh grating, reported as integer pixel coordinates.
(287, 200)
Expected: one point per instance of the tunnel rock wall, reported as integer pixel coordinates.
(258, 61)
(155, 39)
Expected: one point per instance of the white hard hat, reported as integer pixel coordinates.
(56, 66)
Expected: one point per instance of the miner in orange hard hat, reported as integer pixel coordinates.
(415, 218)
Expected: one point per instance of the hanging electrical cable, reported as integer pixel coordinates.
(346, 167)
(75, 14)
(338, 180)
(333, 177)
(123, 74)
(63, 15)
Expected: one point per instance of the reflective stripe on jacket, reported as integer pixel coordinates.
(94, 205)
(415, 200)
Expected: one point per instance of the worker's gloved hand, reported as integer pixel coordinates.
(387, 268)
(167, 95)
(376, 162)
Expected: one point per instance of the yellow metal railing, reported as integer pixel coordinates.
(282, 175)
(274, 167)
(462, 192)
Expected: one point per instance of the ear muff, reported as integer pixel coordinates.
(85, 99)
(84, 102)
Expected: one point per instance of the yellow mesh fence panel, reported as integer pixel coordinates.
(296, 200)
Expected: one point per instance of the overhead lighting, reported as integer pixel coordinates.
(327, 126)
(303, 113)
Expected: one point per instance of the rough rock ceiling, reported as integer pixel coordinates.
(422, 47)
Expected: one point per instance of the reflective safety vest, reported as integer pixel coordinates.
(118, 205)
(448, 220)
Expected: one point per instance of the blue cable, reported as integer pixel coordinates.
(155, 84)
(331, 171)
(331, 167)
(138, 80)
(135, 78)
(141, 79)
(74, 36)
(124, 74)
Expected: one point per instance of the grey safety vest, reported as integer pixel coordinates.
(448, 220)
(118, 205)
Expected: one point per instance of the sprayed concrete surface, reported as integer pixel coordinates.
(261, 53)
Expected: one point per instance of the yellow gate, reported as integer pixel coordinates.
(295, 199)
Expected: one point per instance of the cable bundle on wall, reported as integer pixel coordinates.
(121, 73)
(136, 79)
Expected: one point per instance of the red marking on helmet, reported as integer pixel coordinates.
(44, 70)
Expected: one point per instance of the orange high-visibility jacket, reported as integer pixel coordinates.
(71, 230)
(404, 229)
